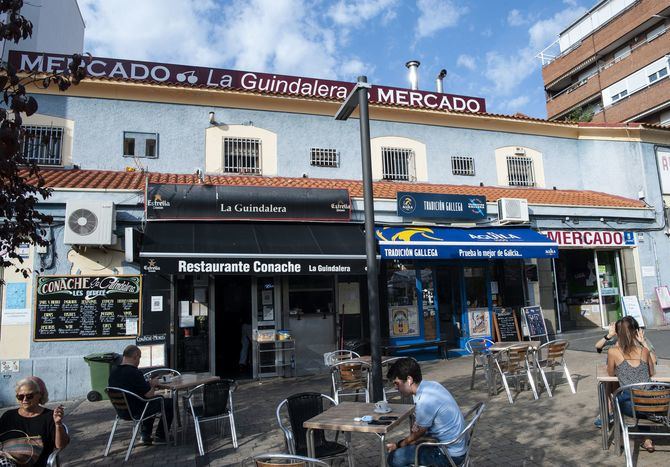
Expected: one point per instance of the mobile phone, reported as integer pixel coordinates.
(380, 422)
(388, 417)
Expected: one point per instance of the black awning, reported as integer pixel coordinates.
(252, 248)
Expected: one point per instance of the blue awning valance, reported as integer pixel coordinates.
(447, 243)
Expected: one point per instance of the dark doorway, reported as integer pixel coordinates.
(233, 321)
(450, 304)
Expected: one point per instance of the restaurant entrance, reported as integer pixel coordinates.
(232, 298)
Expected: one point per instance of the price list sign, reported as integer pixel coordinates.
(87, 307)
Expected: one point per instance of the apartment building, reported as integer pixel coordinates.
(611, 65)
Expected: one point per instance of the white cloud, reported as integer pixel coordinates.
(436, 15)
(353, 68)
(544, 32)
(515, 18)
(466, 61)
(355, 13)
(515, 105)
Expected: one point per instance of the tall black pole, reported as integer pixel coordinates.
(370, 249)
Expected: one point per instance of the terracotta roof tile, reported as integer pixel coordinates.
(102, 179)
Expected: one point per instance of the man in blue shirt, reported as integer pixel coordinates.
(437, 416)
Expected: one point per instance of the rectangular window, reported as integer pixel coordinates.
(319, 157)
(658, 75)
(138, 144)
(43, 145)
(463, 165)
(242, 155)
(520, 171)
(398, 164)
(620, 95)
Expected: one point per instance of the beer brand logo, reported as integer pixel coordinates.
(151, 266)
(157, 202)
(407, 204)
(340, 206)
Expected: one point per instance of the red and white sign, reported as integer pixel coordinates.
(591, 238)
(663, 160)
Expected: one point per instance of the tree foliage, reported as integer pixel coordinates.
(21, 185)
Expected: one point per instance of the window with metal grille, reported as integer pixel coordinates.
(138, 144)
(462, 165)
(398, 164)
(242, 155)
(324, 157)
(43, 145)
(520, 171)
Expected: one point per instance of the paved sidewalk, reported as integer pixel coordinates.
(556, 431)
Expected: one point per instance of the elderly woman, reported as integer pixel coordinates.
(35, 420)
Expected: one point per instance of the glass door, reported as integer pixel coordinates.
(609, 286)
(477, 295)
(449, 297)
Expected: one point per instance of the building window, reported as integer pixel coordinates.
(463, 165)
(620, 95)
(520, 170)
(42, 145)
(658, 75)
(398, 164)
(242, 155)
(319, 157)
(137, 144)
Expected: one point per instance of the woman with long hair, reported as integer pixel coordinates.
(631, 363)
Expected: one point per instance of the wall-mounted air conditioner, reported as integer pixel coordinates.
(512, 210)
(90, 223)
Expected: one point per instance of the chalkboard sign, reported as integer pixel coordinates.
(534, 321)
(505, 325)
(87, 307)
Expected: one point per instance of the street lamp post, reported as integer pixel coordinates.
(359, 98)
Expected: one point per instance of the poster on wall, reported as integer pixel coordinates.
(87, 307)
(403, 321)
(631, 307)
(479, 323)
(15, 311)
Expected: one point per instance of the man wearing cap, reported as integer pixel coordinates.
(437, 415)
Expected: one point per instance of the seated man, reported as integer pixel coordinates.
(127, 376)
(437, 415)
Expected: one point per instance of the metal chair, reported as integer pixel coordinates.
(286, 460)
(551, 355)
(217, 404)
(479, 348)
(350, 378)
(336, 356)
(389, 387)
(300, 408)
(120, 399)
(158, 372)
(468, 433)
(515, 362)
(650, 408)
(54, 458)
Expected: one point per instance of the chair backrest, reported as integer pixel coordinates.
(158, 372)
(514, 359)
(351, 375)
(120, 399)
(652, 399)
(386, 364)
(471, 419)
(337, 356)
(301, 407)
(286, 460)
(478, 345)
(217, 397)
(553, 351)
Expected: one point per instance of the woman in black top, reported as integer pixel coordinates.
(35, 420)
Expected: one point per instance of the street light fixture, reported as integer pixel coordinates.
(359, 98)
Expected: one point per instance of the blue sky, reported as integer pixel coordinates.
(487, 46)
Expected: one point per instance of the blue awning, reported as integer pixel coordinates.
(447, 243)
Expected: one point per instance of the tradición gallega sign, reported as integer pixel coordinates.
(215, 78)
(433, 205)
(591, 238)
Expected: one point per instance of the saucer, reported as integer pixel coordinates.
(382, 411)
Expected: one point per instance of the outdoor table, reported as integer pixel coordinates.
(498, 347)
(662, 376)
(179, 383)
(341, 418)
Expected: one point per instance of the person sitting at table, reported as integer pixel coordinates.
(437, 415)
(127, 376)
(44, 426)
(631, 363)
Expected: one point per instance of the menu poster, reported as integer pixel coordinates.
(534, 319)
(87, 307)
(505, 325)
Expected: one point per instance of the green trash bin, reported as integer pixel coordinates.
(100, 366)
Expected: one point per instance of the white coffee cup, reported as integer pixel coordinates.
(382, 406)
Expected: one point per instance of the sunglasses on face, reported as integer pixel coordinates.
(27, 397)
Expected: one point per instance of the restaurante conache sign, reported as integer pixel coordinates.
(215, 78)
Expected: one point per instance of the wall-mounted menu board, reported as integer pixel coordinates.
(87, 307)
(505, 325)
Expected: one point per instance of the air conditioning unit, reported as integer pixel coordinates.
(512, 210)
(90, 223)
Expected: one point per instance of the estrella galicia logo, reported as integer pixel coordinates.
(151, 266)
(158, 202)
(407, 204)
